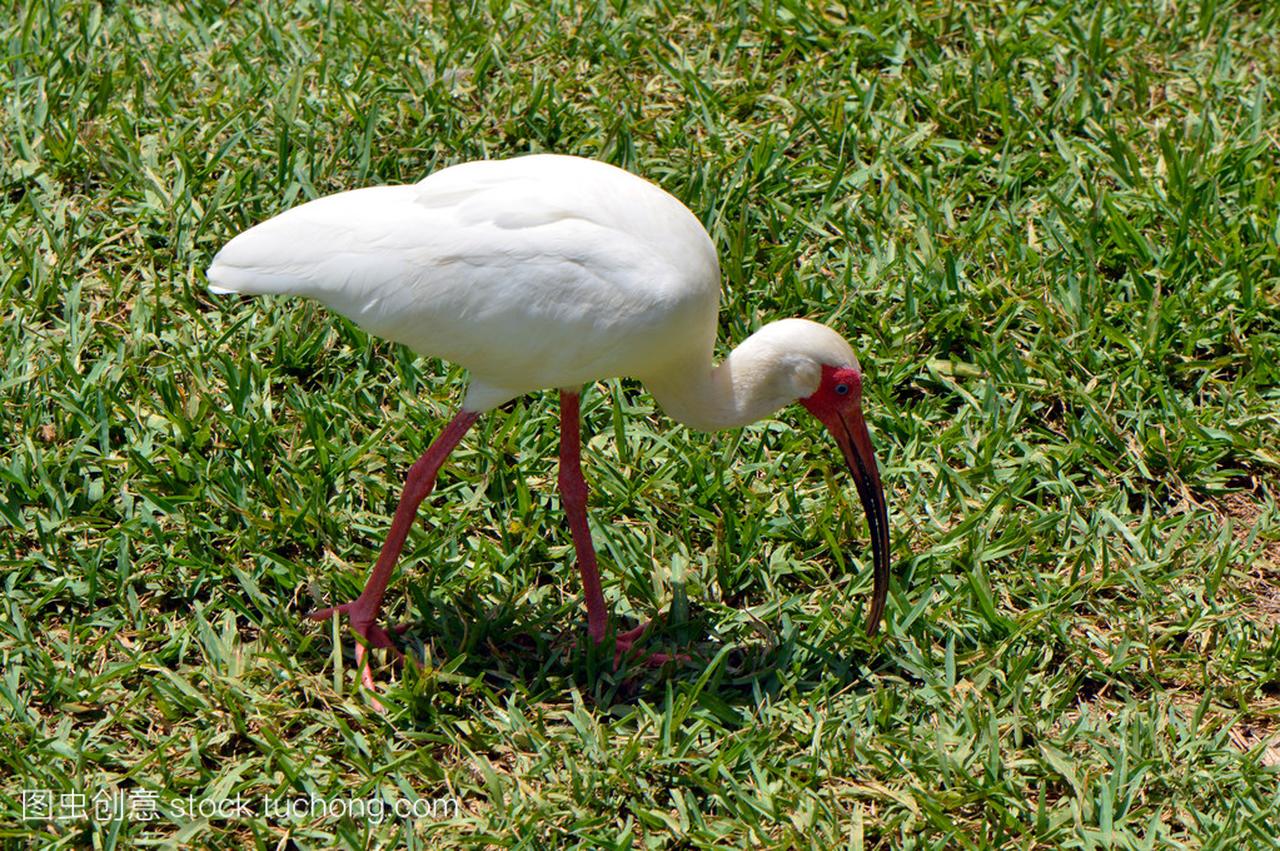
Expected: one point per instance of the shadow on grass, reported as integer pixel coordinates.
(542, 653)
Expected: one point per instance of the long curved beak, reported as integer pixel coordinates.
(850, 432)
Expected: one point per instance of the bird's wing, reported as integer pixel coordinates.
(531, 269)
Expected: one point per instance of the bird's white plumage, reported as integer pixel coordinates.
(534, 272)
(549, 271)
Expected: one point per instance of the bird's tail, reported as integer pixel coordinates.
(324, 247)
(226, 279)
(268, 259)
(246, 265)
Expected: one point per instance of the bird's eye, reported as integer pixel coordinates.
(842, 389)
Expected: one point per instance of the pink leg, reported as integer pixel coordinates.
(573, 493)
(364, 609)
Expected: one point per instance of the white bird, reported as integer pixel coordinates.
(550, 271)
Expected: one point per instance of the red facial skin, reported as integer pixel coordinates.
(841, 413)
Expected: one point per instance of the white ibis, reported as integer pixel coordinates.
(550, 271)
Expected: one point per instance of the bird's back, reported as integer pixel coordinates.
(539, 271)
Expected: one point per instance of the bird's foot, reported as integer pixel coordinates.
(369, 635)
(624, 643)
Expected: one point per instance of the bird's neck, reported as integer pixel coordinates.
(750, 384)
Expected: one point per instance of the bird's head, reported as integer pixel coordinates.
(792, 360)
(830, 381)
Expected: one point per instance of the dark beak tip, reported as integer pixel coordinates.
(860, 457)
(875, 611)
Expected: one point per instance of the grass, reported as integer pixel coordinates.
(1052, 231)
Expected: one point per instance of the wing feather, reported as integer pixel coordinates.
(527, 271)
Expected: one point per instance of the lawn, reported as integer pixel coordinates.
(1051, 231)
